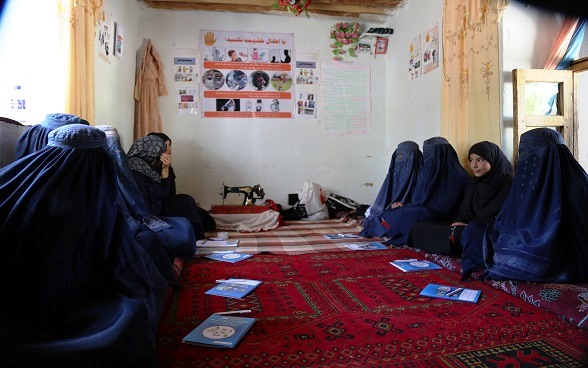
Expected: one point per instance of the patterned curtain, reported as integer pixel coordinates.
(82, 17)
(470, 89)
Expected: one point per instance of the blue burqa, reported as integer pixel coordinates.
(175, 233)
(36, 137)
(398, 185)
(436, 195)
(540, 233)
(81, 291)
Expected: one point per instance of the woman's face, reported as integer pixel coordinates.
(168, 148)
(479, 165)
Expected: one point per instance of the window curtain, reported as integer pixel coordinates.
(470, 89)
(82, 17)
(567, 45)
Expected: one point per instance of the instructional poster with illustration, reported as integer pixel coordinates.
(414, 58)
(187, 98)
(307, 85)
(247, 75)
(431, 50)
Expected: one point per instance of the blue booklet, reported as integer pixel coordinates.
(410, 265)
(451, 293)
(228, 257)
(340, 236)
(219, 331)
(366, 246)
(234, 288)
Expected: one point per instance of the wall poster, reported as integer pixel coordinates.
(414, 58)
(431, 50)
(247, 75)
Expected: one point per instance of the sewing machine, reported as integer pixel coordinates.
(248, 191)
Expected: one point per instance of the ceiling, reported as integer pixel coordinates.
(367, 10)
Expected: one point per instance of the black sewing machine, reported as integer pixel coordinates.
(249, 192)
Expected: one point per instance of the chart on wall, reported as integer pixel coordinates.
(247, 75)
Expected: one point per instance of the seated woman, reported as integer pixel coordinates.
(440, 185)
(178, 201)
(82, 291)
(36, 137)
(175, 233)
(483, 198)
(540, 233)
(397, 187)
(150, 166)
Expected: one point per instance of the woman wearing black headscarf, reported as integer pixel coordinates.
(151, 169)
(484, 196)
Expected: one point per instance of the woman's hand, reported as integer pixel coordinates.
(166, 161)
(396, 205)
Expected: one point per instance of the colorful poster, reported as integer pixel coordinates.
(414, 58)
(104, 31)
(119, 36)
(187, 98)
(247, 75)
(431, 50)
(306, 103)
(185, 69)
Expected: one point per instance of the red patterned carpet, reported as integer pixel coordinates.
(343, 309)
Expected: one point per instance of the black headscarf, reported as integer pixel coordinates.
(485, 195)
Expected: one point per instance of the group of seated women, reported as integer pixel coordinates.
(87, 265)
(529, 226)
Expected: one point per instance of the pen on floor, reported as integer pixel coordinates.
(451, 293)
(235, 312)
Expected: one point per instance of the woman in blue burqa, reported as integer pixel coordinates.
(396, 188)
(176, 236)
(437, 192)
(150, 166)
(82, 291)
(36, 137)
(540, 233)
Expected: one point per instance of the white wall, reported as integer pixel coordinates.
(115, 78)
(414, 106)
(278, 154)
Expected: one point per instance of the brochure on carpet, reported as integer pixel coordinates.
(209, 243)
(341, 236)
(219, 331)
(228, 257)
(234, 288)
(366, 246)
(411, 265)
(451, 293)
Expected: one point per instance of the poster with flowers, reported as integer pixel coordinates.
(345, 40)
(414, 58)
(431, 50)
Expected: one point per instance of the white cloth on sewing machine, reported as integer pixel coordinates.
(247, 222)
